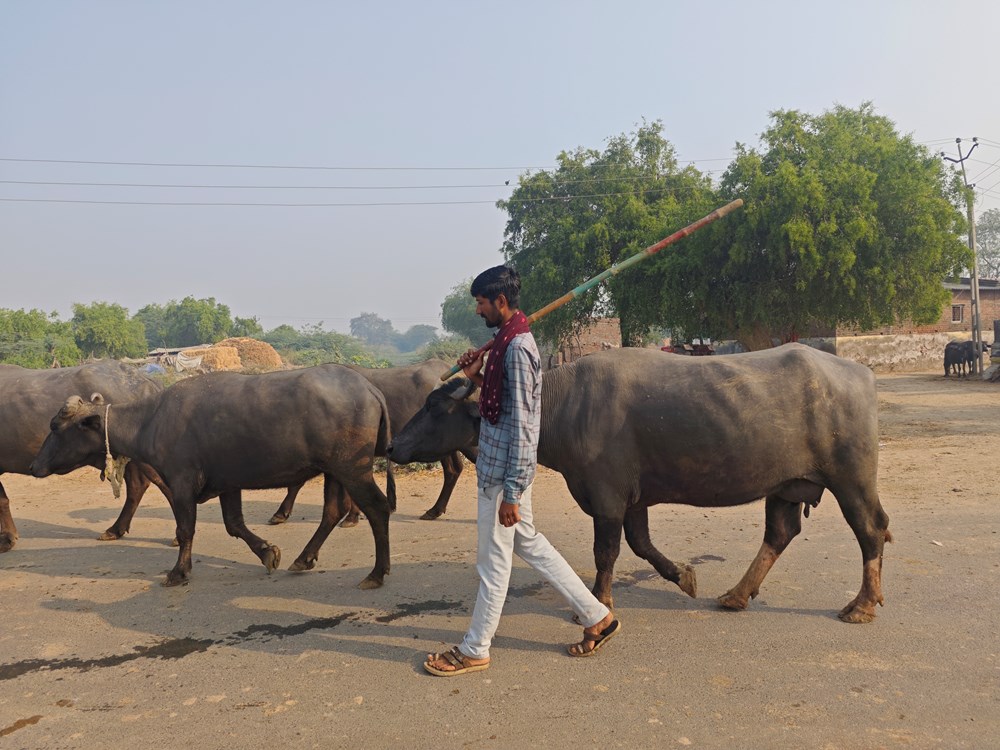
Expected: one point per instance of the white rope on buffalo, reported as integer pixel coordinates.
(114, 468)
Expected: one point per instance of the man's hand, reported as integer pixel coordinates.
(509, 514)
(471, 363)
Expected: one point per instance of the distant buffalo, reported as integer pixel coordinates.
(960, 357)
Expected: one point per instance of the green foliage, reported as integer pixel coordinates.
(314, 346)
(415, 337)
(458, 316)
(373, 330)
(34, 339)
(103, 329)
(448, 349)
(248, 327)
(197, 321)
(190, 322)
(988, 242)
(846, 222)
(594, 210)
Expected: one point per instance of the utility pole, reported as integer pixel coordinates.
(977, 334)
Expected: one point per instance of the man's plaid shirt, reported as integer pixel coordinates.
(508, 450)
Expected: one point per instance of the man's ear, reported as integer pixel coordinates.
(501, 301)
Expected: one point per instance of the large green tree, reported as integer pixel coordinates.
(103, 329)
(988, 242)
(846, 222)
(458, 317)
(594, 210)
(32, 338)
(191, 322)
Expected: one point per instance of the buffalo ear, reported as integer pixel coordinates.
(92, 422)
(97, 398)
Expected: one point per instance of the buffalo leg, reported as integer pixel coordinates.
(136, 484)
(871, 526)
(137, 481)
(185, 513)
(285, 509)
(607, 545)
(783, 523)
(637, 536)
(232, 516)
(333, 501)
(375, 505)
(348, 510)
(452, 466)
(8, 531)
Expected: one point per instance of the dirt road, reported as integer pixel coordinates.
(95, 653)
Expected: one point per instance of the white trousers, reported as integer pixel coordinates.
(495, 557)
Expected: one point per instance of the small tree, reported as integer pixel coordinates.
(988, 242)
(416, 337)
(104, 329)
(373, 330)
(196, 321)
(249, 327)
(448, 349)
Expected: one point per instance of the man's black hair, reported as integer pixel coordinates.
(498, 280)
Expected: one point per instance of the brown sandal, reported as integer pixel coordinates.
(579, 649)
(461, 663)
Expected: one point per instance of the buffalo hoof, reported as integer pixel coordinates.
(7, 542)
(277, 518)
(349, 522)
(432, 515)
(731, 600)
(271, 558)
(371, 582)
(174, 542)
(855, 613)
(176, 579)
(688, 582)
(303, 564)
(109, 536)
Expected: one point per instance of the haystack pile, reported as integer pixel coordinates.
(217, 357)
(255, 355)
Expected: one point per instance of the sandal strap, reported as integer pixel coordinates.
(454, 657)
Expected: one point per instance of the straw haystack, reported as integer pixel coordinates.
(217, 357)
(254, 354)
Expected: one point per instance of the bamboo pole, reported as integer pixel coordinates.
(617, 268)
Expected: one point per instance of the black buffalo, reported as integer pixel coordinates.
(960, 357)
(221, 433)
(632, 428)
(29, 398)
(405, 389)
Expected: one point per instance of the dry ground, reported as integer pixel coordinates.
(95, 653)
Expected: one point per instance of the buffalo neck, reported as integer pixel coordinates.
(554, 390)
(124, 424)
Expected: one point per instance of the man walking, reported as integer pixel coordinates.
(510, 405)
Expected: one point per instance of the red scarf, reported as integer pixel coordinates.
(492, 390)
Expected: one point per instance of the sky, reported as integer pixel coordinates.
(401, 123)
